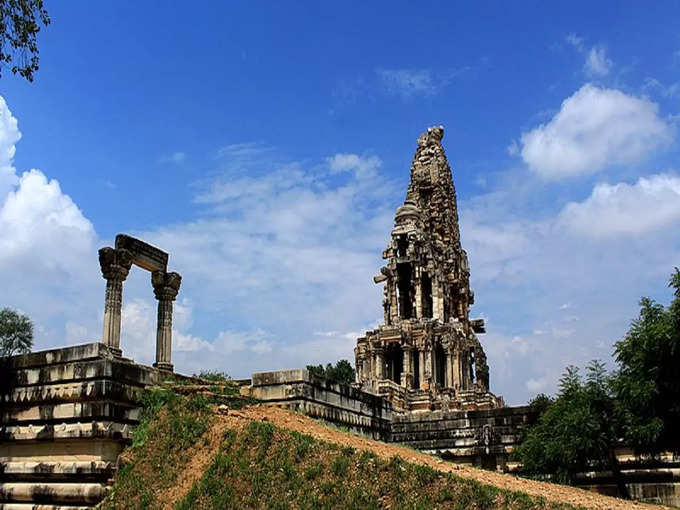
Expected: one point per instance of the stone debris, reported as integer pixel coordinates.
(426, 355)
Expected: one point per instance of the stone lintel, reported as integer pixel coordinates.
(143, 254)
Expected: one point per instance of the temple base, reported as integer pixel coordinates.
(168, 367)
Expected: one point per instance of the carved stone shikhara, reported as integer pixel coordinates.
(426, 355)
(115, 265)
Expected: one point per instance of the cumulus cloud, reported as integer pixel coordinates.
(46, 244)
(9, 136)
(561, 287)
(626, 209)
(596, 127)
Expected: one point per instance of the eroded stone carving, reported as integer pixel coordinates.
(426, 355)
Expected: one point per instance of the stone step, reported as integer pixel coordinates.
(44, 413)
(37, 492)
(22, 471)
(72, 392)
(89, 430)
(31, 506)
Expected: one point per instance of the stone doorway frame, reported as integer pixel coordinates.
(115, 265)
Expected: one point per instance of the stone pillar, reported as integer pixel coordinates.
(165, 287)
(406, 370)
(456, 369)
(449, 369)
(418, 312)
(421, 369)
(379, 363)
(428, 368)
(115, 265)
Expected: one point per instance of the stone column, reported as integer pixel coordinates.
(428, 368)
(449, 369)
(165, 287)
(406, 375)
(421, 369)
(456, 369)
(379, 363)
(115, 265)
(418, 312)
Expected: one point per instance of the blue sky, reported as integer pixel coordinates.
(266, 148)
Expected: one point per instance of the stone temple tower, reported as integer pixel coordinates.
(426, 355)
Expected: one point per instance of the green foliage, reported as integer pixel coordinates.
(576, 431)
(541, 402)
(16, 333)
(343, 372)
(647, 383)
(19, 26)
(213, 376)
(638, 404)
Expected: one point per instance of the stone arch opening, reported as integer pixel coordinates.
(472, 365)
(426, 294)
(405, 288)
(439, 365)
(394, 358)
(115, 265)
(416, 368)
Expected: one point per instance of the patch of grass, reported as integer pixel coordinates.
(263, 466)
(170, 424)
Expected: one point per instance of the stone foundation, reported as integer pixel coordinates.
(339, 404)
(66, 415)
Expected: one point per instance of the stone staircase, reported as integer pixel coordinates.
(65, 416)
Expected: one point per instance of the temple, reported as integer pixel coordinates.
(426, 355)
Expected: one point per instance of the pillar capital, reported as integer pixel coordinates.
(165, 285)
(115, 263)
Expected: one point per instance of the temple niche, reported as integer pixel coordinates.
(426, 355)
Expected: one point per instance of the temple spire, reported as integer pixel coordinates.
(427, 344)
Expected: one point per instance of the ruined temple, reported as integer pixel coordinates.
(426, 355)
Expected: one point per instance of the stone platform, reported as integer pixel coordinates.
(66, 415)
(339, 404)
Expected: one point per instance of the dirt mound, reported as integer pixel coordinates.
(282, 418)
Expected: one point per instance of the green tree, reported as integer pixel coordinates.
(342, 372)
(647, 383)
(19, 26)
(577, 432)
(16, 333)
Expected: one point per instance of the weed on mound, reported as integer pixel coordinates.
(267, 467)
(263, 466)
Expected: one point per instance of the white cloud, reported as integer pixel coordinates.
(597, 63)
(536, 385)
(626, 209)
(575, 41)
(408, 82)
(47, 248)
(9, 136)
(595, 128)
(177, 157)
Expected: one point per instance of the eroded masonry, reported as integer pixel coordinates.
(426, 355)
